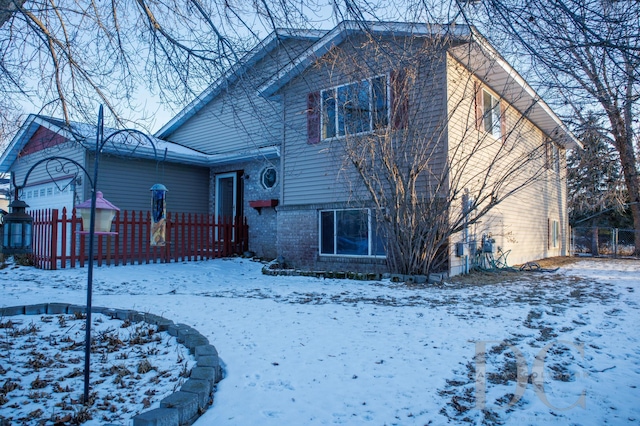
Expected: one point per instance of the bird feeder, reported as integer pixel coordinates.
(17, 229)
(158, 214)
(105, 212)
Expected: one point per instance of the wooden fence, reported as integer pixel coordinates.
(57, 242)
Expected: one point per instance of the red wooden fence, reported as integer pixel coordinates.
(57, 242)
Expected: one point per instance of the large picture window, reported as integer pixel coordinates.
(350, 232)
(355, 108)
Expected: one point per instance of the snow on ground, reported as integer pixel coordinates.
(42, 368)
(542, 348)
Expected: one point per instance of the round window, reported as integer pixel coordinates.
(268, 177)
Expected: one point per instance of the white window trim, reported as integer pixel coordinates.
(494, 111)
(555, 234)
(371, 107)
(262, 173)
(370, 224)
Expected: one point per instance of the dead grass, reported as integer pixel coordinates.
(512, 274)
(41, 381)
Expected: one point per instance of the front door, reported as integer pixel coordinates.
(226, 197)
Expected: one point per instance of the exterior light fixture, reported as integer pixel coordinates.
(17, 230)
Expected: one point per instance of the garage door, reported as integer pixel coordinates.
(48, 196)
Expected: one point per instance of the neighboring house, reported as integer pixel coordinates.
(290, 94)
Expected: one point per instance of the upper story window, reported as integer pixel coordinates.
(553, 156)
(491, 114)
(355, 108)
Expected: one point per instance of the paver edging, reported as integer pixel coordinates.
(170, 413)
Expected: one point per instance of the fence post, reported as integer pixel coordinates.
(53, 253)
(74, 235)
(614, 236)
(594, 242)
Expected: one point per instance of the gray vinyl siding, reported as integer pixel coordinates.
(239, 119)
(41, 173)
(320, 173)
(126, 183)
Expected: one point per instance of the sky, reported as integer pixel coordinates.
(301, 350)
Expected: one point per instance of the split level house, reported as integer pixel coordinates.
(311, 129)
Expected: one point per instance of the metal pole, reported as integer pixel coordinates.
(92, 227)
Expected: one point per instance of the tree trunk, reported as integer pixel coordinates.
(624, 144)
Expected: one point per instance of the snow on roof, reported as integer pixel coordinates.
(125, 143)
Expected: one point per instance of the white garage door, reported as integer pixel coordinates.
(48, 196)
(51, 196)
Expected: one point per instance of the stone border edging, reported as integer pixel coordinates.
(433, 278)
(180, 408)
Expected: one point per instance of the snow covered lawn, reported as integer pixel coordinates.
(557, 348)
(42, 368)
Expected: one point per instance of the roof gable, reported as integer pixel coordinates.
(43, 138)
(38, 130)
(348, 28)
(262, 50)
(471, 49)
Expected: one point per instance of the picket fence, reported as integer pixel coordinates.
(59, 243)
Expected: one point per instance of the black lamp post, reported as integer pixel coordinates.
(17, 229)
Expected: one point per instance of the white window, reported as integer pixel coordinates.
(555, 157)
(350, 232)
(555, 233)
(355, 108)
(491, 114)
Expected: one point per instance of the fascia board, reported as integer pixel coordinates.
(346, 28)
(542, 114)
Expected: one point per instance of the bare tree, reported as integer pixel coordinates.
(586, 53)
(64, 57)
(428, 171)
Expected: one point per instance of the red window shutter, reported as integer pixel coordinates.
(479, 107)
(313, 117)
(399, 99)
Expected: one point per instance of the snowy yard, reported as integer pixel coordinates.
(555, 348)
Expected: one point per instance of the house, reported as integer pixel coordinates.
(276, 139)
(302, 96)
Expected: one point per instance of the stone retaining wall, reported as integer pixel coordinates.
(196, 394)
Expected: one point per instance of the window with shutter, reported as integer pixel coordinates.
(313, 117)
(350, 109)
(399, 99)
